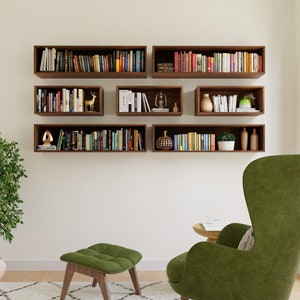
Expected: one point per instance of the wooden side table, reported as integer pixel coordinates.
(212, 236)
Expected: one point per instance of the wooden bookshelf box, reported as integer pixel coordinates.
(172, 95)
(47, 103)
(214, 62)
(91, 61)
(205, 131)
(240, 91)
(92, 137)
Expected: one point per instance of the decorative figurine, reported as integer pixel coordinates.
(47, 138)
(89, 104)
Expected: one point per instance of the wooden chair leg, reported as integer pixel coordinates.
(135, 281)
(67, 280)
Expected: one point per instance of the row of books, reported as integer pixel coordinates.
(69, 61)
(130, 101)
(64, 100)
(122, 139)
(193, 141)
(189, 61)
(223, 103)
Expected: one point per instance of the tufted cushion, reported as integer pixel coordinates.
(107, 258)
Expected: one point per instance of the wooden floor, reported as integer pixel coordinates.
(32, 276)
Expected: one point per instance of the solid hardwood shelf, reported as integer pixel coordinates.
(165, 56)
(88, 69)
(173, 94)
(100, 137)
(208, 129)
(240, 91)
(55, 110)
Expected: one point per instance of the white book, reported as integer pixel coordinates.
(216, 103)
(43, 61)
(139, 102)
(80, 100)
(231, 107)
(67, 100)
(147, 106)
(213, 224)
(53, 59)
(225, 103)
(234, 104)
(247, 109)
(63, 108)
(75, 99)
(222, 104)
(123, 104)
(130, 101)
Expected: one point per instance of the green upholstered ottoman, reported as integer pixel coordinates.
(97, 261)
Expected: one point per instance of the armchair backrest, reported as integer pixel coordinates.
(272, 192)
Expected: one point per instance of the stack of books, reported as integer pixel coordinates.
(213, 224)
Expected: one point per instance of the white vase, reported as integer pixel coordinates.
(2, 267)
(226, 145)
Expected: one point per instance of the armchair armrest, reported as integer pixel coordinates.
(207, 265)
(232, 234)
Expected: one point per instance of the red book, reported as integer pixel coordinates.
(176, 61)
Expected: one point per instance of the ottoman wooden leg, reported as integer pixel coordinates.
(97, 275)
(94, 282)
(67, 280)
(101, 278)
(135, 281)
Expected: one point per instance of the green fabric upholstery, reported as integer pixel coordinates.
(232, 234)
(266, 272)
(107, 258)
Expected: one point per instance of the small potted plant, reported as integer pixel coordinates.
(11, 172)
(226, 141)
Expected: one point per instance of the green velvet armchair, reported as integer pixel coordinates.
(267, 271)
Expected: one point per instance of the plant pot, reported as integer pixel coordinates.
(2, 267)
(226, 145)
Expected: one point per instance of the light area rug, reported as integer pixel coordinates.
(85, 291)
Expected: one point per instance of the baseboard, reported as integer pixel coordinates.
(34, 265)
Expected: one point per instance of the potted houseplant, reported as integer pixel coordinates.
(226, 141)
(11, 172)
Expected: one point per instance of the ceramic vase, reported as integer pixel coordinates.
(254, 140)
(175, 107)
(206, 104)
(244, 139)
(2, 267)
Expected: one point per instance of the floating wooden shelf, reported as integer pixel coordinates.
(165, 55)
(208, 129)
(55, 111)
(88, 52)
(173, 95)
(240, 91)
(101, 137)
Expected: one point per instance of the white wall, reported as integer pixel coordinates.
(145, 201)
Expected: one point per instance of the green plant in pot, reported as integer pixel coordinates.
(226, 141)
(11, 173)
